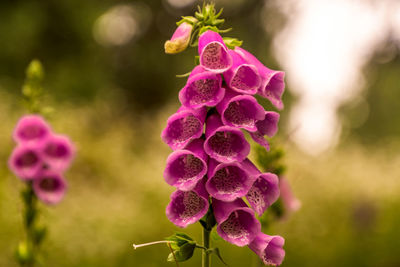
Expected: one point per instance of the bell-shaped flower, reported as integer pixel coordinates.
(269, 248)
(265, 189)
(26, 160)
(58, 152)
(228, 181)
(213, 52)
(31, 128)
(272, 81)
(203, 88)
(186, 167)
(49, 187)
(180, 39)
(224, 143)
(242, 111)
(290, 202)
(242, 77)
(236, 222)
(268, 126)
(184, 126)
(188, 207)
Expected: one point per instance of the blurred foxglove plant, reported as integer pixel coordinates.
(39, 159)
(216, 184)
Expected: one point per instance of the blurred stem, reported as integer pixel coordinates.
(30, 216)
(206, 257)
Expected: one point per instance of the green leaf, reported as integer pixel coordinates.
(184, 253)
(39, 234)
(217, 252)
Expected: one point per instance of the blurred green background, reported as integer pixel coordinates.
(112, 88)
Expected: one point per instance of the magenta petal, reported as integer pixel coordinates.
(31, 128)
(272, 81)
(264, 192)
(187, 207)
(26, 161)
(242, 77)
(290, 202)
(269, 248)
(225, 143)
(269, 125)
(203, 88)
(183, 126)
(58, 152)
(49, 187)
(186, 167)
(213, 52)
(228, 181)
(242, 111)
(236, 222)
(259, 138)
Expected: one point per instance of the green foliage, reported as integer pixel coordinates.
(183, 247)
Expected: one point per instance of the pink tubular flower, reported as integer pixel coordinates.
(272, 81)
(25, 161)
(183, 126)
(264, 190)
(242, 111)
(268, 126)
(180, 39)
(186, 167)
(228, 181)
(225, 143)
(236, 222)
(203, 88)
(269, 248)
(31, 128)
(213, 52)
(187, 207)
(242, 77)
(58, 152)
(290, 202)
(49, 187)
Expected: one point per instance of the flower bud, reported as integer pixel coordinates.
(179, 40)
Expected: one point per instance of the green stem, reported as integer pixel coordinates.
(30, 217)
(206, 257)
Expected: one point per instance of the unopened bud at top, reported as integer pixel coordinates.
(179, 40)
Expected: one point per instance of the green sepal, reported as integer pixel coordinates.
(179, 239)
(189, 19)
(206, 28)
(217, 253)
(231, 43)
(197, 60)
